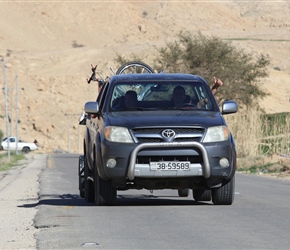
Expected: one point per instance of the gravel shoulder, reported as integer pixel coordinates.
(18, 202)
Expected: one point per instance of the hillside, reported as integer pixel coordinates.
(50, 46)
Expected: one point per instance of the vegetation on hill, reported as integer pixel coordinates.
(198, 54)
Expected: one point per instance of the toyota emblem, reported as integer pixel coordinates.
(168, 134)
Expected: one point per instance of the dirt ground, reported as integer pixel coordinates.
(18, 191)
(49, 47)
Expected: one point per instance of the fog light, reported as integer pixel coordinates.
(111, 163)
(224, 162)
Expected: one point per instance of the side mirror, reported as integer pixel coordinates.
(229, 107)
(82, 119)
(92, 107)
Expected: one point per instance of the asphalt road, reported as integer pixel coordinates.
(258, 219)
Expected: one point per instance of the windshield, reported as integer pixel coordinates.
(161, 95)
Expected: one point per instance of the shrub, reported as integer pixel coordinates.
(211, 56)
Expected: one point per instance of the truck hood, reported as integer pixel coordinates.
(164, 118)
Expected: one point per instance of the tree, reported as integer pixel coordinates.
(211, 56)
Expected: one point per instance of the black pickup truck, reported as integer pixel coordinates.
(155, 144)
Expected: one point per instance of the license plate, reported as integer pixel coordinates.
(170, 165)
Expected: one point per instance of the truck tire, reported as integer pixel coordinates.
(81, 176)
(225, 194)
(89, 184)
(25, 150)
(105, 193)
(201, 195)
(134, 68)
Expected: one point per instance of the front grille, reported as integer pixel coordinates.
(197, 139)
(144, 140)
(179, 130)
(154, 134)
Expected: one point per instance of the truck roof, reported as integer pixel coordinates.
(157, 77)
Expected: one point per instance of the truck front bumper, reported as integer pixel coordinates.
(207, 163)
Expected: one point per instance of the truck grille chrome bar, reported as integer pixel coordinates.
(206, 166)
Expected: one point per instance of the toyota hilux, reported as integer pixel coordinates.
(154, 144)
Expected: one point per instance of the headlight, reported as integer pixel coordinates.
(215, 134)
(118, 134)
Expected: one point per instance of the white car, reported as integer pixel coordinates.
(25, 147)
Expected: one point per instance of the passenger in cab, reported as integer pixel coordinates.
(179, 97)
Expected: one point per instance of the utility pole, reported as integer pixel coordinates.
(11, 98)
(11, 107)
(6, 108)
(16, 118)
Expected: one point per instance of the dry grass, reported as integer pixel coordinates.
(246, 128)
(276, 134)
(258, 134)
(262, 141)
(6, 163)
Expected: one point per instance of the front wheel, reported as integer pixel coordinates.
(88, 183)
(225, 194)
(81, 176)
(105, 193)
(25, 150)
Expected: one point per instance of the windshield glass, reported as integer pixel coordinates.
(161, 95)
